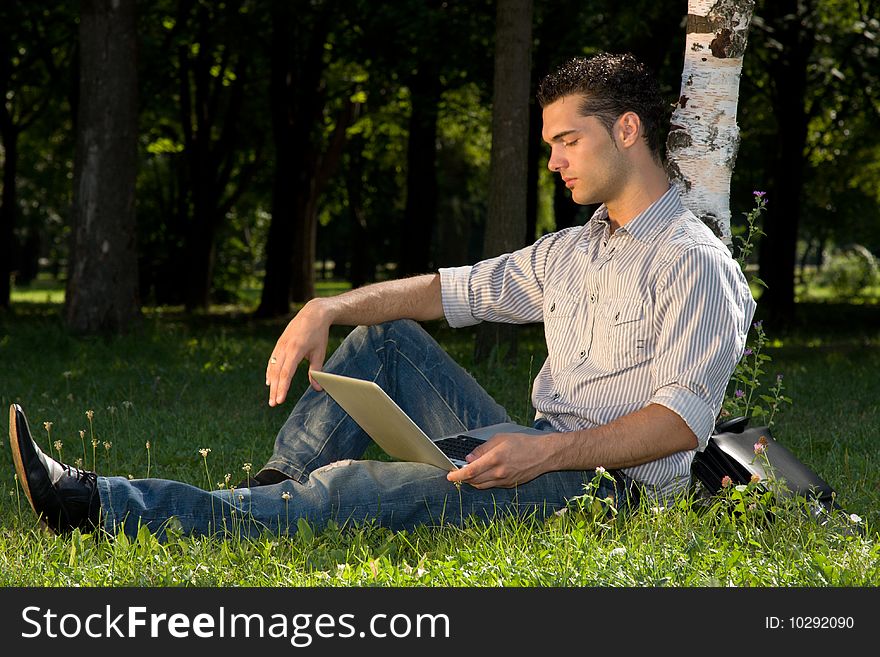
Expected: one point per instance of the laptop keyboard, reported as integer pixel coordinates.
(457, 447)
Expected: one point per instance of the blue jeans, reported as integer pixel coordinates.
(318, 447)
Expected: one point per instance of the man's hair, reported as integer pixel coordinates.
(610, 85)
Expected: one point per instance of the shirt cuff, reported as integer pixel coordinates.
(454, 285)
(693, 410)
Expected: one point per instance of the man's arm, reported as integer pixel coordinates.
(307, 333)
(511, 459)
(690, 372)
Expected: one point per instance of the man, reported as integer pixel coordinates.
(645, 316)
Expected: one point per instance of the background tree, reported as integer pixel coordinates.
(102, 284)
(436, 49)
(505, 227)
(813, 84)
(304, 158)
(204, 149)
(33, 61)
(425, 88)
(408, 172)
(212, 76)
(704, 137)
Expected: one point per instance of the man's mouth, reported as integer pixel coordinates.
(569, 182)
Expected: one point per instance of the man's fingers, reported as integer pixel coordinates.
(316, 362)
(274, 374)
(478, 451)
(482, 480)
(472, 473)
(279, 374)
(284, 376)
(272, 365)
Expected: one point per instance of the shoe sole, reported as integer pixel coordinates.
(17, 460)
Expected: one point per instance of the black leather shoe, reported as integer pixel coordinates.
(64, 497)
(265, 477)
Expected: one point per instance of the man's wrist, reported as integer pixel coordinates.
(321, 309)
(553, 452)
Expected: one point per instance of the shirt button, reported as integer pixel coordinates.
(583, 352)
(592, 298)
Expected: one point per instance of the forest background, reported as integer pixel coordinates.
(280, 143)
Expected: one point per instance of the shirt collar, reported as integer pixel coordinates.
(649, 222)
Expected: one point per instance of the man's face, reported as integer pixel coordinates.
(582, 152)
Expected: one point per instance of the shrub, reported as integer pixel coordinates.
(848, 271)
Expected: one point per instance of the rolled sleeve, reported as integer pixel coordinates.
(508, 288)
(454, 285)
(691, 407)
(705, 308)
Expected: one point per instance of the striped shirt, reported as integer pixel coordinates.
(655, 313)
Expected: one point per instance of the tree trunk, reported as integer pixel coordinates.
(536, 120)
(275, 296)
(9, 251)
(209, 157)
(28, 264)
(302, 286)
(360, 261)
(703, 137)
(102, 284)
(293, 153)
(778, 252)
(297, 95)
(420, 213)
(508, 169)
(9, 132)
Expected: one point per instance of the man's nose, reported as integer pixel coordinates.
(556, 161)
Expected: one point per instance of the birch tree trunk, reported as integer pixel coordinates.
(703, 137)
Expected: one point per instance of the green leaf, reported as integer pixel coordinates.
(304, 531)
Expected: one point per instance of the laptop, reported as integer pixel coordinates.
(395, 432)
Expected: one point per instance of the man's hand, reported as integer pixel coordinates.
(644, 435)
(306, 338)
(504, 461)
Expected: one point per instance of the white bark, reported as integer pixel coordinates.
(704, 137)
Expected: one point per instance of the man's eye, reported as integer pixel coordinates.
(570, 143)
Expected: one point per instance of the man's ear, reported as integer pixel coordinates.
(628, 129)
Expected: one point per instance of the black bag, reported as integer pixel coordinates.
(731, 453)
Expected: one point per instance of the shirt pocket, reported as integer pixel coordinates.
(622, 337)
(559, 304)
(560, 325)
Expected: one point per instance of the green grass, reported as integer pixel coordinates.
(185, 383)
(41, 291)
(48, 292)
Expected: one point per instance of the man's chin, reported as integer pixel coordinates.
(582, 199)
